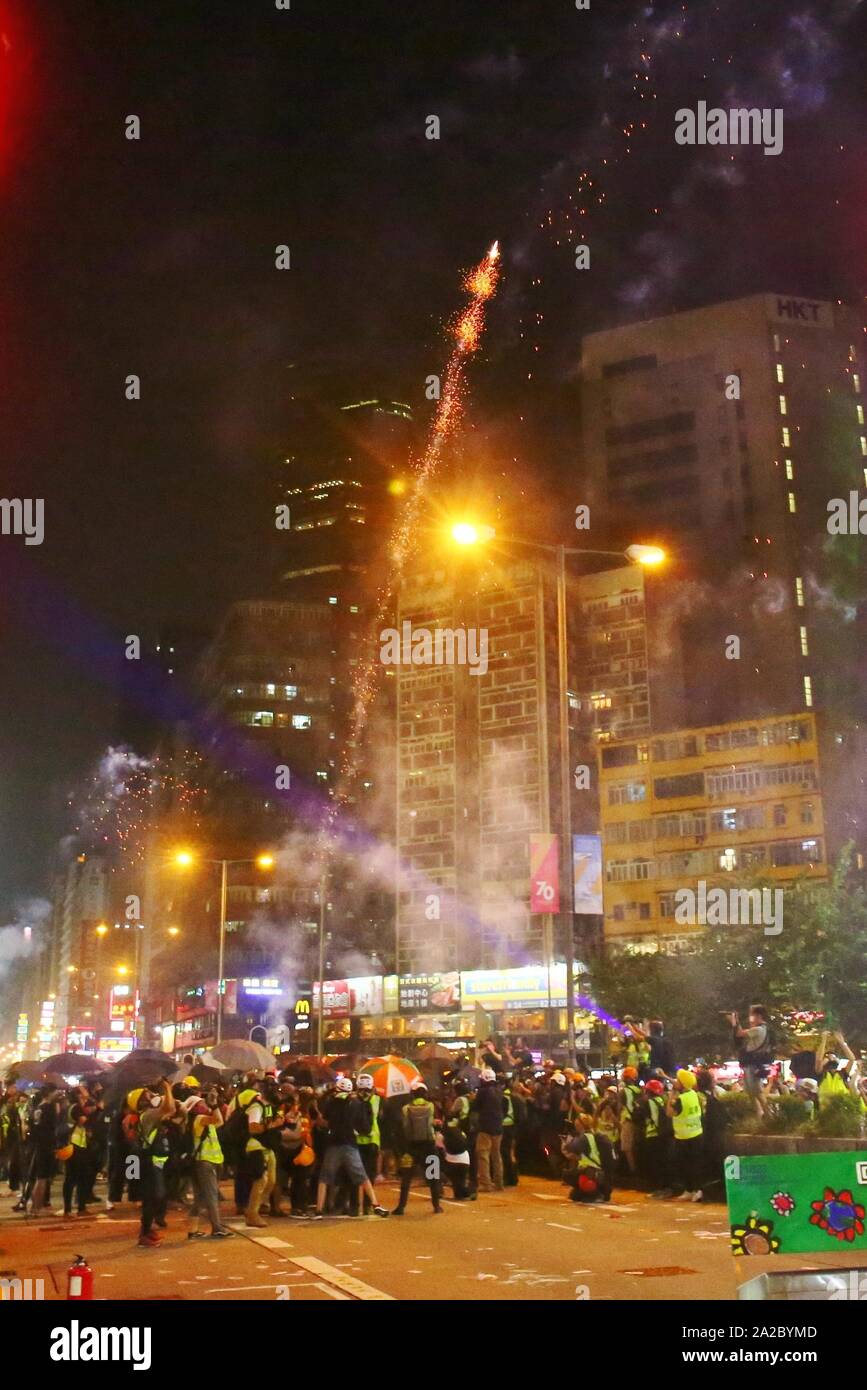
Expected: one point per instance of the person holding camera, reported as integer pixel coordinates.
(755, 1053)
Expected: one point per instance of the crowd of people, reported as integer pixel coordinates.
(305, 1151)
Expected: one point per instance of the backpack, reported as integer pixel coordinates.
(236, 1131)
(416, 1123)
(763, 1056)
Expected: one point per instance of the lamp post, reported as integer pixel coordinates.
(184, 859)
(466, 533)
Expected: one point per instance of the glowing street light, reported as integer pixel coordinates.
(649, 555)
(184, 858)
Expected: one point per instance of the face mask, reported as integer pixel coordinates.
(155, 1102)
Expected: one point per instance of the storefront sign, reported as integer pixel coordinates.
(353, 998)
(419, 994)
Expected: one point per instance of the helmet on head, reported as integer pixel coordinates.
(809, 1085)
(687, 1079)
(364, 1082)
(559, 1078)
(343, 1083)
(133, 1098)
(578, 1079)
(487, 1074)
(630, 1074)
(191, 1083)
(417, 1084)
(654, 1087)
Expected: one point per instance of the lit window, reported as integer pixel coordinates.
(332, 600)
(864, 446)
(776, 342)
(790, 472)
(805, 649)
(860, 412)
(787, 437)
(262, 718)
(301, 721)
(856, 381)
(781, 375)
(808, 692)
(784, 406)
(792, 504)
(270, 689)
(728, 860)
(290, 691)
(799, 592)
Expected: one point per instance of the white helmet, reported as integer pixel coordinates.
(808, 1084)
(343, 1083)
(364, 1082)
(487, 1074)
(417, 1084)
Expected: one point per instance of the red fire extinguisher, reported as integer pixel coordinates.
(79, 1279)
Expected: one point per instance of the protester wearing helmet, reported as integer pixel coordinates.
(630, 1121)
(419, 1147)
(368, 1136)
(685, 1109)
(345, 1116)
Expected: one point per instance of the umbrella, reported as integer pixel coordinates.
(142, 1067)
(239, 1054)
(30, 1072)
(391, 1075)
(207, 1075)
(307, 1071)
(207, 1059)
(72, 1064)
(432, 1052)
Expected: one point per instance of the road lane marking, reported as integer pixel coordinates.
(356, 1287)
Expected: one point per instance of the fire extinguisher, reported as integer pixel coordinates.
(79, 1279)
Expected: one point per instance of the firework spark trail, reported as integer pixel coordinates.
(481, 285)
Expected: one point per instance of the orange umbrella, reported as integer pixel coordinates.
(392, 1076)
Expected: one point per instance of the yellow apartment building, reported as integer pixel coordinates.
(722, 804)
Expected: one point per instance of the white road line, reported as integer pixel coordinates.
(561, 1227)
(350, 1285)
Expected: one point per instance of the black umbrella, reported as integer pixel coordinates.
(72, 1064)
(143, 1067)
(29, 1072)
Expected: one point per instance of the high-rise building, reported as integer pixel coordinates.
(723, 805)
(479, 753)
(724, 432)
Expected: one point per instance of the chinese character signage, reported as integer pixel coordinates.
(419, 994)
(355, 998)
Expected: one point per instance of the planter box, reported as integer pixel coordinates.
(754, 1145)
(750, 1144)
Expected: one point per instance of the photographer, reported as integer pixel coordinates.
(205, 1119)
(755, 1053)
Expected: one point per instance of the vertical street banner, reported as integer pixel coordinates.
(544, 874)
(587, 874)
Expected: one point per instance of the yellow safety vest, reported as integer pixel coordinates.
(594, 1158)
(207, 1148)
(373, 1136)
(832, 1084)
(687, 1125)
(654, 1110)
(629, 1096)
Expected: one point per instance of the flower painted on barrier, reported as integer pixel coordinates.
(755, 1237)
(783, 1203)
(838, 1214)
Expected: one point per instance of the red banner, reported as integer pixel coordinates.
(544, 874)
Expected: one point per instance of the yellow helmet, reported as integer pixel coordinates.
(190, 1081)
(687, 1079)
(133, 1097)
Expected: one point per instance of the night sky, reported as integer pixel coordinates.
(306, 127)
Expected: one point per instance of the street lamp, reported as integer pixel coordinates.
(466, 533)
(184, 859)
